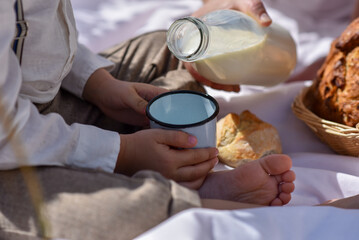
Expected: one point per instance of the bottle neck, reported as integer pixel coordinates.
(188, 38)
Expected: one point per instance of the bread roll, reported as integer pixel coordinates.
(243, 138)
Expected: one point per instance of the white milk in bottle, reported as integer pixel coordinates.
(229, 47)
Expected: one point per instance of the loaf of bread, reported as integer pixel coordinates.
(334, 94)
(243, 138)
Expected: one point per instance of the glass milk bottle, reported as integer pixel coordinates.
(229, 47)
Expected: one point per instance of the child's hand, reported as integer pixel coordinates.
(123, 101)
(167, 152)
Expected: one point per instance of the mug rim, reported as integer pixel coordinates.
(205, 95)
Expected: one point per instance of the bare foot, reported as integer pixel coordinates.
(266, 181)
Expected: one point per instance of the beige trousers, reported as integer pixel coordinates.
(77, 204)
(86, 205)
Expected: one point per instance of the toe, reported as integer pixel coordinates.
(276, 202)
(286, 187)
(284, 197)
(275, 164)
(288, 176)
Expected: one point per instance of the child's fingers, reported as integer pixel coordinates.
(194, 184)
(191, 157)
(194, 172)
(176, 139)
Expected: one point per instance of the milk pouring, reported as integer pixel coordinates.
(229, 47)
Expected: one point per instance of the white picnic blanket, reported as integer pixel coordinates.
(286, 223)
(321, 174)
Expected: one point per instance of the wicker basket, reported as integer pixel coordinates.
(341, 138)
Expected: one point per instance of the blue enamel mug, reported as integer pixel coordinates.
(188, 111)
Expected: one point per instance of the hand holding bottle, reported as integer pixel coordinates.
(228, 47)
(253, 8)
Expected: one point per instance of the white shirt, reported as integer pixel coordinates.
(51, 59)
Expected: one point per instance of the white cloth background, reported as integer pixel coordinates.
(105, 23)
(321, 174)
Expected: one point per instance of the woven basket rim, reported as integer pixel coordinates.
(341, 138)
(312, 120)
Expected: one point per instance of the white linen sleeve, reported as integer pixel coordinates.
(85, 64)
(42, 139)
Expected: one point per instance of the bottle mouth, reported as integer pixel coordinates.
(187, 38)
